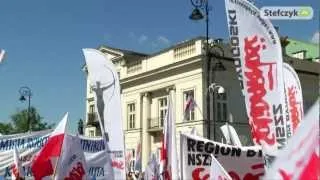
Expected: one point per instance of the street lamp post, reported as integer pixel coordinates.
(25, 94)
(197, 15)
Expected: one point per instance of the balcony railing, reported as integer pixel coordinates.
(155, 123)
(92, 119)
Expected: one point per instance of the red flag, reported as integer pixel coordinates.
(312, 168)
(299, 159)
(45, 161)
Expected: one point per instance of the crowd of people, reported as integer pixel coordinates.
(135, 176)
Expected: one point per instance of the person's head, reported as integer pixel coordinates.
(98, 84)
(136, 173)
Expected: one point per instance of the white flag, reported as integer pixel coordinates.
(2, 55)
(105, 83)
(168, 160)
(256, 49)
(217, 172)
(230, 135)
(17, 171)
(300, 158)
(152, 170)
(72, 164)
(294, 97)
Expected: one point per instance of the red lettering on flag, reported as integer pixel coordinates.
(260, 116)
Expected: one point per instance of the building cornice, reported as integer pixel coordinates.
(163, 69)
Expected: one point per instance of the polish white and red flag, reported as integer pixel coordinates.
(138, 162)
(72, 164)
(217, 172)
(2, 55)
(17, 171)
(300, 158)
(190, 105)
(168, 159)
(128, 161)
(45, 162)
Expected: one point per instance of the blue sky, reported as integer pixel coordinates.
(44, 38)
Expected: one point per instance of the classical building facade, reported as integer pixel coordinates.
(147, 80)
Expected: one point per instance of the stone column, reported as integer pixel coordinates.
(146, 103)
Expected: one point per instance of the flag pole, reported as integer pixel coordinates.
(55, 167)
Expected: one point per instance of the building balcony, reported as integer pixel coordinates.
(155, 124)
(92, 119)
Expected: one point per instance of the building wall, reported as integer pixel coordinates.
(310, 85)
(181, 79)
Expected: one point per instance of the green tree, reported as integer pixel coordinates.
(5, 128)
(19, 122)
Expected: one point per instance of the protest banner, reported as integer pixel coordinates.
(256, 49)
(28, 144)
(240, 162)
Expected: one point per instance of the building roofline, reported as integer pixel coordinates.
(305, 42)
(124, 51)
(182, 43)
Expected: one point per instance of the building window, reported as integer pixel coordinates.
(189, 105)
(91, 108)
(221, 107)
(131, 109)
(134, 66)
(162, 107)
(91, 133)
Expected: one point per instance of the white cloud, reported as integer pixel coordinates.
(315, 37)
(147, 41)
(163, 40)
(143, 38)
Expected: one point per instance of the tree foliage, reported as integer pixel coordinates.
(19, 122)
